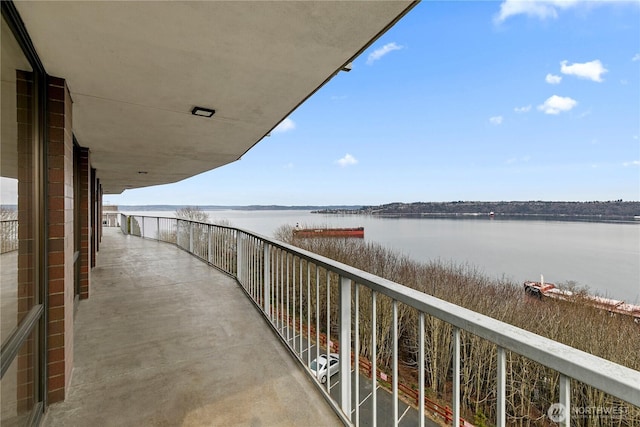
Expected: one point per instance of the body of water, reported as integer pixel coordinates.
(603, 256)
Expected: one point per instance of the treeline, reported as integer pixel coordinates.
(616, 209)
(531, 387)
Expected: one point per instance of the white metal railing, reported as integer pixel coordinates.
(312, 301)
(8, 235)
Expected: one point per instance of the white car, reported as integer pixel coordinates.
(319, 366)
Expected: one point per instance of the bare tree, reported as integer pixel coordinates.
(192, 213)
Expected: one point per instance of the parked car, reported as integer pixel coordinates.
(319, 366)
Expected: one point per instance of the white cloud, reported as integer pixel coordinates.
(524, 109)
(547, 9)
(632, 163)
(347, 160)
(542, 9)
(557, 104)
(379, 53)
(553, 79)
(496, 120)
(285, 126)
(588, 70)
(636, 57)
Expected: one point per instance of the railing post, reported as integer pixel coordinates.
(190, 237)
(267, 280)
(501, 409)
(345, 345)
(158, 228)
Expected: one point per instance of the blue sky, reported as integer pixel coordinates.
(472, 100)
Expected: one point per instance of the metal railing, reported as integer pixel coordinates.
(8, 235)
(317, 305)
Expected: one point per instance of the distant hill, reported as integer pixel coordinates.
(616, 210)
(238, 208)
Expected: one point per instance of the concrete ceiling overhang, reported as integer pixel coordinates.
(136, 69)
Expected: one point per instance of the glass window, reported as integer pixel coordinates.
(19, 244)
(18, 385)
(17, 185)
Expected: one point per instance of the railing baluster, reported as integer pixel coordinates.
(300, 312)
(395, 363)
(421, 370)
(293, 304)
(501, 409)
(328, 324)
(287, 322)
(345, 345)
(456, 377)
(356, 350)
(282, 307)
(239, 257)
(565, 399)
(308, 314)
(267, 280)
(317, 312)
(374, 358)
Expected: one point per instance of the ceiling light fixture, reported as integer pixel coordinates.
(203, 112)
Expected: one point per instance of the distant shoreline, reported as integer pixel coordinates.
(505, 217)
(609, 211)
(616, 211)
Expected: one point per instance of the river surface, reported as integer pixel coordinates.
(605, 257)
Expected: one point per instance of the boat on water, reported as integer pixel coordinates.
(357, 232)
(613, 306)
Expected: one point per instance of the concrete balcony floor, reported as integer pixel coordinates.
(165, 340)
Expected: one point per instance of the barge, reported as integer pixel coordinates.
(357, 232)
(613, 306)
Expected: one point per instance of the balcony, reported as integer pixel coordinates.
(167, 339)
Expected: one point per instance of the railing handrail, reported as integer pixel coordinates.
(609, 377)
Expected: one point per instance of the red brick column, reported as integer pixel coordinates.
(26, 234)
(85, 222)
(60, 240)
(94, 217)
(99, 215)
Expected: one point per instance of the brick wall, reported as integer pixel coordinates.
(60, 240)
